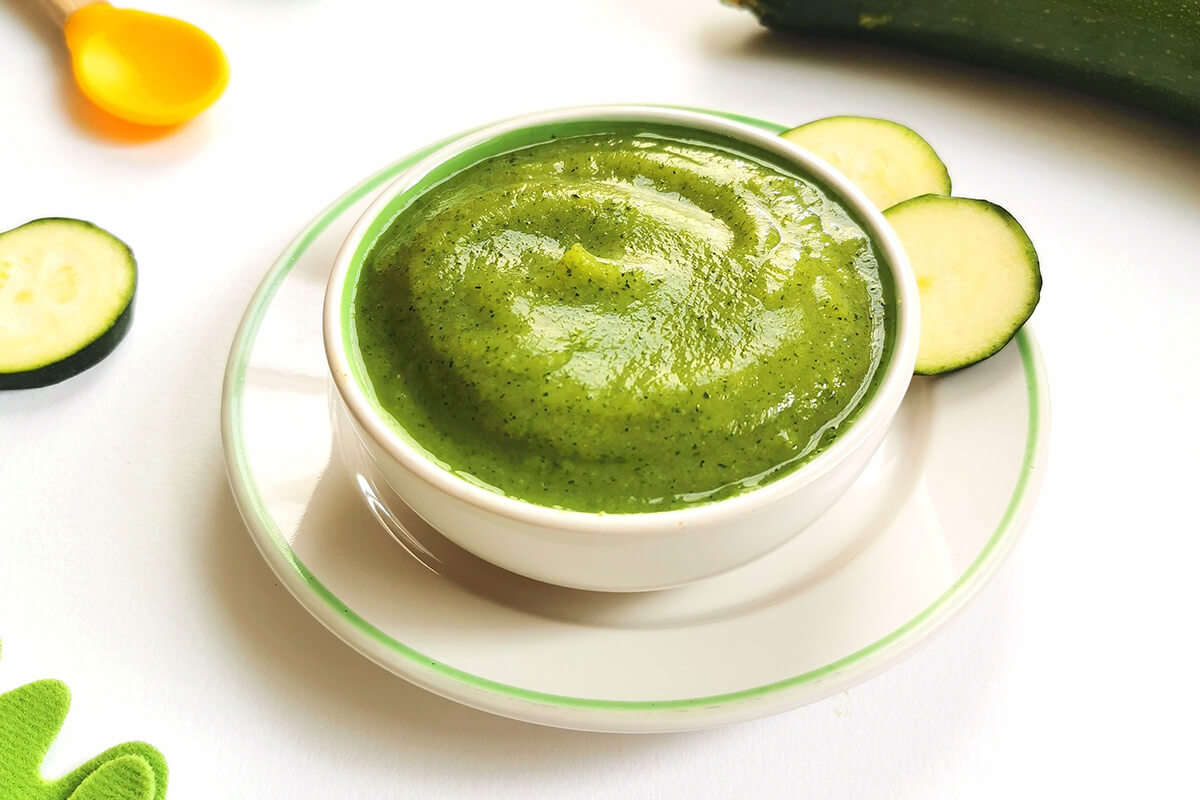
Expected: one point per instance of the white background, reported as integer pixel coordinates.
(126, 571)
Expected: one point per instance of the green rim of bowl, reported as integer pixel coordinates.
(251, 503)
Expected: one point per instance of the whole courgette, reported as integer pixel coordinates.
(1141, 52)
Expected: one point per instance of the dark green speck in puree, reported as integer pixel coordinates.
(622, 322)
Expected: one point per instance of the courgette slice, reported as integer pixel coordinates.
(891, 163)
(66, 299)
(977, 274)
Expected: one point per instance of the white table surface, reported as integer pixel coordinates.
(125, 569)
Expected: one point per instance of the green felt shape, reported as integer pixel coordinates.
(122, 778)
(31, 717)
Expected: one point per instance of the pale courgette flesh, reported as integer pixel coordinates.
(977, 273)
(890, 162)
(66, 299)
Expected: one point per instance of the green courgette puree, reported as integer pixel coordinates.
(623, 322)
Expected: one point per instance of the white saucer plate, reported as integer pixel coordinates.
(934, 515)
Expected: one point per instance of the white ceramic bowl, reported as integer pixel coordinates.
(616, 552)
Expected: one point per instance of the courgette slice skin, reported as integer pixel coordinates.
(977, 273)
(890, 162)
(67, 292)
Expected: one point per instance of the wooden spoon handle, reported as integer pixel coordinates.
(59, 10)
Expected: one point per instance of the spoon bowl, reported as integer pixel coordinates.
(144, 68)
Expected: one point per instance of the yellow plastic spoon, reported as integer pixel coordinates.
(144, 68)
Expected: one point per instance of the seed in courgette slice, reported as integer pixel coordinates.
(977, 273)
(888, 161)
(66, 299)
